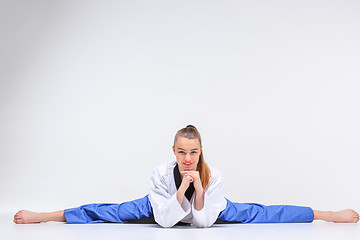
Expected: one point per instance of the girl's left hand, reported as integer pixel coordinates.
(196, 176)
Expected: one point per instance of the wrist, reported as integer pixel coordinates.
(199, 191)
(198, 187)
(182, 190)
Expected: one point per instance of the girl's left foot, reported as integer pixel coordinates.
(344, 216)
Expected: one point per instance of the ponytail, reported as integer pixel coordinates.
(204, 171)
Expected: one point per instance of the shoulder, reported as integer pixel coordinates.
(215, 179)
(214, 172)
(164, 169)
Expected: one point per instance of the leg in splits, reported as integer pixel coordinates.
(132, 211)
(258, 213)
(139, 211)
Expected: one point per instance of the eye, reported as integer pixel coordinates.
(181, 151)
(193, 152)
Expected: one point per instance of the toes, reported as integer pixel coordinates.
(18, 221)
(356, 217)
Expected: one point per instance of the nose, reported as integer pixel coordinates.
(187, 157)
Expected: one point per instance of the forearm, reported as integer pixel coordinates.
(180, 195)
(199, 200)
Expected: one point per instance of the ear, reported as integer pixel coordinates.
(173, 147)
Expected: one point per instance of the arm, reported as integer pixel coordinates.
(167, 208)
(209, 203)
(185, 183)
(194, 176)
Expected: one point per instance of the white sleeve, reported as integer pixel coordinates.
(214, 203)
(166, 208)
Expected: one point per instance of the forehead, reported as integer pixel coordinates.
(187, 144)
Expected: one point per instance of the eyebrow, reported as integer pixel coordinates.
(191, 149)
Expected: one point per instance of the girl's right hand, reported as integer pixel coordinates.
(185, 183)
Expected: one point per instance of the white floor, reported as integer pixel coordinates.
(55, 230)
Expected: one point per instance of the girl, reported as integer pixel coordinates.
(186, 191)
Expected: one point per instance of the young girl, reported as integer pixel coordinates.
(186, 191)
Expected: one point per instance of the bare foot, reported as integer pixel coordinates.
(25, 216)
(344, 216)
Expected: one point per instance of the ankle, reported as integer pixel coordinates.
(57, 216)
(43, 217)
(330, 216)
(323, 215)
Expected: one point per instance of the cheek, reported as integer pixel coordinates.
(179, 156)
(196, 158)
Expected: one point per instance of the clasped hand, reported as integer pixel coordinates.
(191, 177)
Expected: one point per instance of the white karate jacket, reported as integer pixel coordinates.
(166, 208)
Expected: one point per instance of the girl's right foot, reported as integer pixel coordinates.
(25, 216)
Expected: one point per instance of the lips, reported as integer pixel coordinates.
(187, 164)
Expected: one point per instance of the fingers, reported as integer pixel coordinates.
(193, 174)
(184, 172)
(189, 177)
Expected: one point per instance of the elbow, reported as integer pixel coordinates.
(163, 223)
(202, 225)
(204, 222)
(199, 224)
(166, 225)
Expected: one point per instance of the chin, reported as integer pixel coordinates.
(189, 169)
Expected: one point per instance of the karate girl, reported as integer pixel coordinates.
(186, 191)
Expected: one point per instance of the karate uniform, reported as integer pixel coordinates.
(161, 206)
(165, 181)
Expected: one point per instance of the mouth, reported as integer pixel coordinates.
(188, 164)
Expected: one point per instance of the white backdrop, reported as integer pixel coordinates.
(93, 92)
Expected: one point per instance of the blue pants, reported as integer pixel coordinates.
(138, 209)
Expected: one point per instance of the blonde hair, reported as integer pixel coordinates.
(190, 132)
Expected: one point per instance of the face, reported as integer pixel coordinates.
(187, 152)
